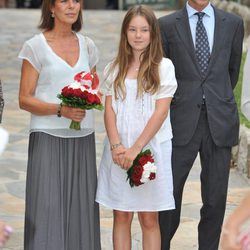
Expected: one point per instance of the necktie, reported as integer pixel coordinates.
(201, 44)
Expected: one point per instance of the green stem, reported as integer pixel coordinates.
(75, 125)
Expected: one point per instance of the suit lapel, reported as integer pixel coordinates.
(219, 36)
(184, 32)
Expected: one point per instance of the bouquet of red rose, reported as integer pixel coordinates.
(142, 170)
(81, 93)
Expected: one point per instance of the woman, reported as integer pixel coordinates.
(61, 213)
(140, 87)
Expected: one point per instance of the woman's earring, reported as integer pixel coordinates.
(52, 14)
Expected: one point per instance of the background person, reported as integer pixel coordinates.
(205, 46)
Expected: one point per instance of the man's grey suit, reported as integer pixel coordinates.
(209, 129)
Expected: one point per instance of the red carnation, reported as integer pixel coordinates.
(152, 176)
(78, 76)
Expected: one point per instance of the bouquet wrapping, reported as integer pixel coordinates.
(82, 93)
(142, 170)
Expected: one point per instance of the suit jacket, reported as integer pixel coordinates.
(218, 83)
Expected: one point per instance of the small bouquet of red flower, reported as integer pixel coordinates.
(82, 93)
(142, 170)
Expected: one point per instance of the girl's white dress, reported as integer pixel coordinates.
(132, 115)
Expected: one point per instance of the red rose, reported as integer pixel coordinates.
(84, 94)
(97, 99)
(138, 170)
(143, 160)
(68, 92)
(77, 92)
(90, 98)
(136, 180)
(65, 91)
(150, 158)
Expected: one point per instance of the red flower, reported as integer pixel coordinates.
(75, 95)
(152, 176)
(136, 175)
(138, 170)
(90, 98)
(143, 160)
(95, 82)
(97, 99)
(78, 76)
(87, 77)
(136, 179)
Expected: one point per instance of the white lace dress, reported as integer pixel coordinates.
(132, 116)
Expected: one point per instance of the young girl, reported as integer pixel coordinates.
(140, 86)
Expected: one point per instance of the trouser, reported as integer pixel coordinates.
(215, 162)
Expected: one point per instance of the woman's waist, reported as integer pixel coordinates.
(54, 122)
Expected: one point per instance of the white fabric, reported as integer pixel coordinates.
(132, 115)
(167, 88)
(245, 96)
(54, 74)
(4, 137)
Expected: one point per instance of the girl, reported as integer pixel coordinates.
(140, 86)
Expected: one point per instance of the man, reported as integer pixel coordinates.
(205, 49)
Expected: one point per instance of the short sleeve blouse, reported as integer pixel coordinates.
(168, 86)
(54, 74)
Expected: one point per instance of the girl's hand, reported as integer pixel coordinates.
(129, 157)
(117, 154)
(75, 114)
(229, 239)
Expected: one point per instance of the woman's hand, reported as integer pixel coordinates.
(229, 239)
(75, 114)
(117, 155)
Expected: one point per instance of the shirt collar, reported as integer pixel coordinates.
(191, 11)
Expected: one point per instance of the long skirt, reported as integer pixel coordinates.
(61, 212)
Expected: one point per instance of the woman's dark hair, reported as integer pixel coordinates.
(47, 21)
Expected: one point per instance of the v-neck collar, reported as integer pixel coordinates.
(60, 58)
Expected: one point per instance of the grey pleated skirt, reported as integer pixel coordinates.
(61, 212)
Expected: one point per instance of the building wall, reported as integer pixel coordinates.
(94, 4)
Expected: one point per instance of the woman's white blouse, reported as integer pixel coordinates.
(168, 86)
(54, 74)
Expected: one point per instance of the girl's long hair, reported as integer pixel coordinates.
(148, 79)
